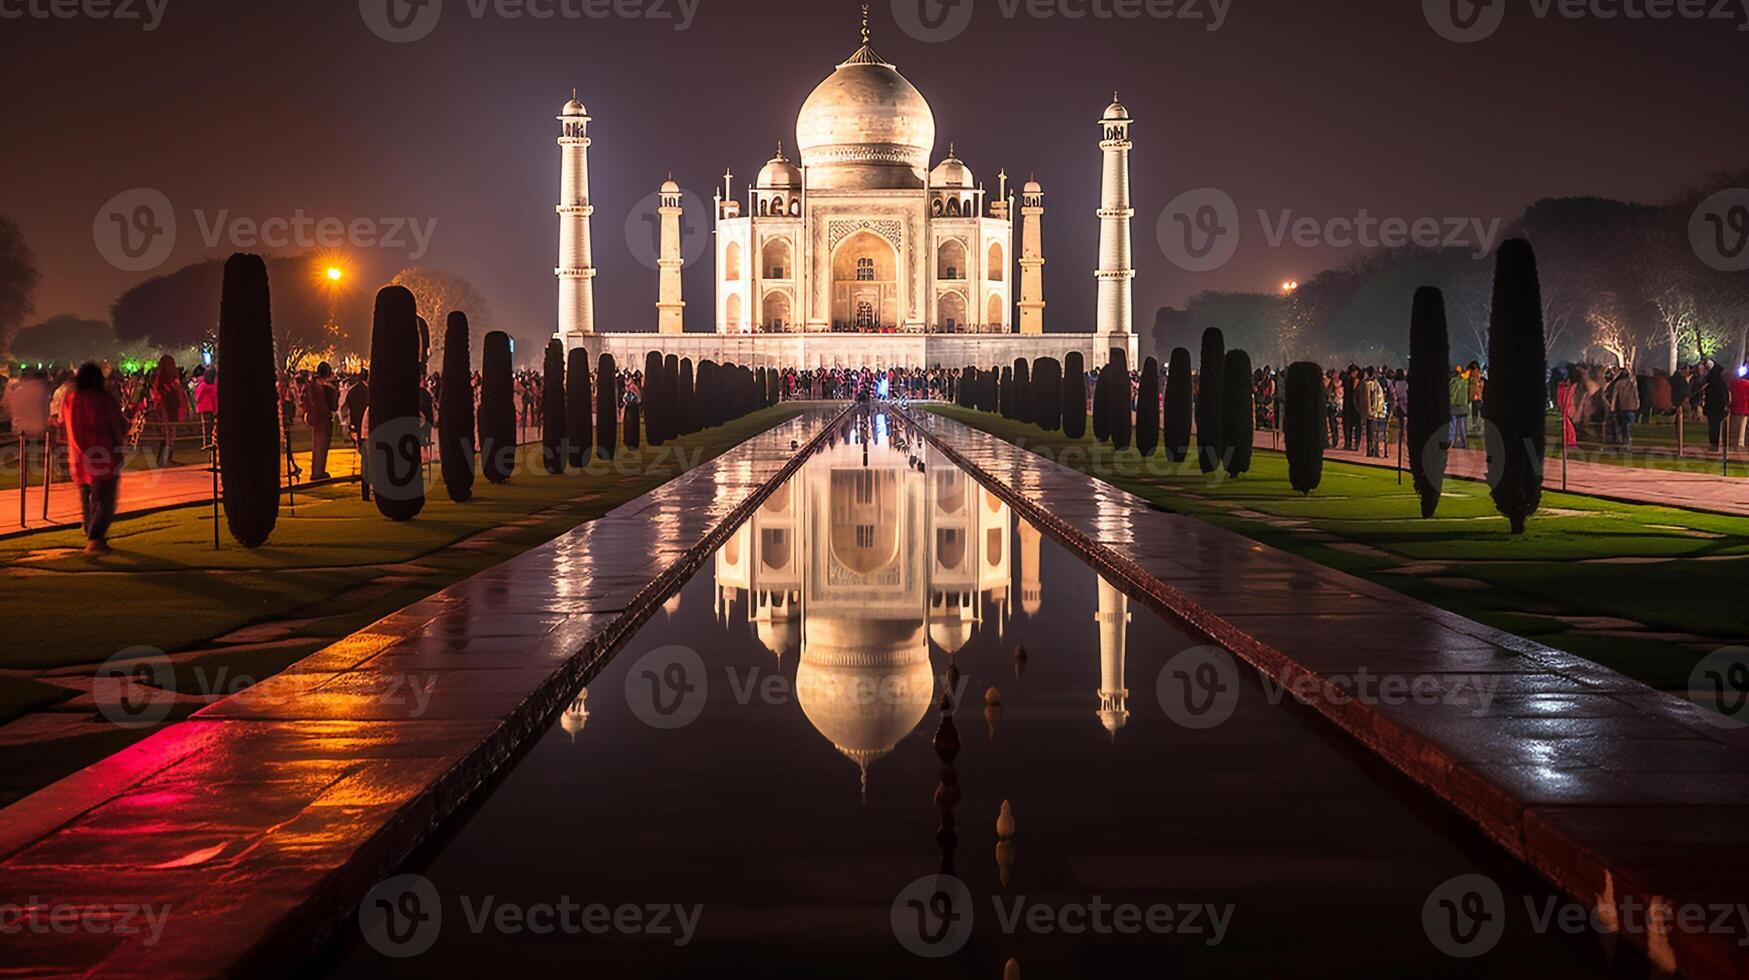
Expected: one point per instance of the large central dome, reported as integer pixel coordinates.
(866, 128)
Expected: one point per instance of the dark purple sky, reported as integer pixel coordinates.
(264, 107)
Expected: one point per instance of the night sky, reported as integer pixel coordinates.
(263, 107)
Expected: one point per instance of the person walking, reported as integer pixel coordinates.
(1715, 404)
(1476, 385)
(1377, 412)
(167, 403)
(206, 404)
(1740, 406)
(95, 431)
(1460, 409)
(1622, 398)
(321, 400)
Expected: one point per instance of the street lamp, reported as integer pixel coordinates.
(335, 273)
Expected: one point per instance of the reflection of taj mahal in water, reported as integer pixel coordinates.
(862, 561)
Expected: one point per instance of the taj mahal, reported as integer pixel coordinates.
(859, 253)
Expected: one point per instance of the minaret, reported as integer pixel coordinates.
(669, 305)
(576, 269)
(1032, 258)
(1116, 271)
(1031, 591)
(1113, 618)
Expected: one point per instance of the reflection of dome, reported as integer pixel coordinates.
(778, 635)
(951, 634)
(864, 684)
(866, 127)
(780, 174)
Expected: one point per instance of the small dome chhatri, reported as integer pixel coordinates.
(574, 107)
(780, 174)
(951, 174)
(1116, 111)
(866, 127)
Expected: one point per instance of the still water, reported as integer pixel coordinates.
(892, 730)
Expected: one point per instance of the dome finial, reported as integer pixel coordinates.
(866, 36)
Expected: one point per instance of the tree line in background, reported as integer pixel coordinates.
(1218, 400)
(1622, 284)
(582, 420)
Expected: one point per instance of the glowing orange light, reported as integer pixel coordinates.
(335, 273)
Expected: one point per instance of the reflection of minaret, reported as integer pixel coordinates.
(1113, 618)
(1031, 591)
(576, 269)
(669, 305)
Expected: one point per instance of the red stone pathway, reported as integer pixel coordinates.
(1610, 789)
(254, 827)
(1712, 492)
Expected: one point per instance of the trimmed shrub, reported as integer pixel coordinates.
(1005, 393)
(497, 409)
(1047, 394)
(579, 408)
(1102, 406)
(1303, 425)
(397, 462)
(1148, 408)
(632, 421)
(1023, 391)
(655, 426)
(707, 398)
(1118, 413)
(685, 404)
(1514, 403)
(248, 462)
(1238, 413)
(1180, 406)
(455, 416)
(606, 407)
(1429, 397)
(1208, 401)
(1075, 395)
(671, 395)
(554, 446)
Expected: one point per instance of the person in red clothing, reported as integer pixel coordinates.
(1740, 406)
(95, 431)
(167, 401)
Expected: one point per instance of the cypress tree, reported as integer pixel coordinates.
(497, 409)
(1047, 394)
(1023, 392)
(671, 396)
(1005, 393)
(1208, 400)
(606, 406)
(455, 417)
(1180, 405)
(1429, 397)
(763, 386)
(1148, 408)
(248, 462)
(685, 404)
(397, 462)
(707, 398)
(554, 446)
(1514, 403)
(633, 411)
(579, 408)
(1075, 395)
(1303, 425)
(1102, 406)
(655, 428)
(1238, 413)
(1118, 414)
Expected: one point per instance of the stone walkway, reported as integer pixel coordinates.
(1713, 492)
(257, 825)
(1613, 791)
(141, 490)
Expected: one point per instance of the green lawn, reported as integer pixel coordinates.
(336, 563)
(1568, 564)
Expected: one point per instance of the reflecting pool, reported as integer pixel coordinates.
(892, 730)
